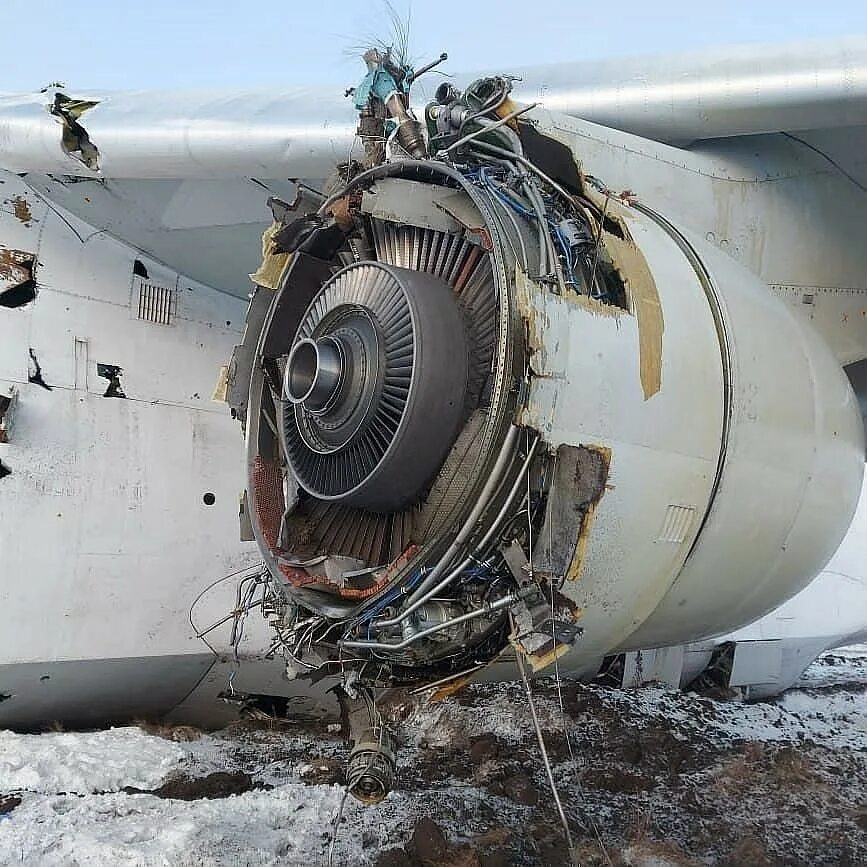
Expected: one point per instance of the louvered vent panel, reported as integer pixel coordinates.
(157, 304)
(678, 520)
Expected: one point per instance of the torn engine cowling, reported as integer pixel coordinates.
(388, 475)
(488, 401)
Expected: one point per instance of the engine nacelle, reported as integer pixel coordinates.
(492, 403)
(726, 440)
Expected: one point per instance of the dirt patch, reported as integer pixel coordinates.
(612, 779)
(8, 803)
(221, 784)
(324, 771)
(750, 851)
(656, 853)
(517, 787)
(21, 210)
(646, 777)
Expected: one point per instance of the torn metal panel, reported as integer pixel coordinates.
(33, 137)
(631, 265)
(274, 263)
(580, 479)
(241, 363)
(75, 139)
(545, 629)
(540, 309)
(408, 203)
(8, 402)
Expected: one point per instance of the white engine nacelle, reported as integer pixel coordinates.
(733, 439)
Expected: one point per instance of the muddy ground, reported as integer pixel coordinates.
(646, 777)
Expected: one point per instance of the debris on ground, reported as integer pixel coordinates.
(647, 777)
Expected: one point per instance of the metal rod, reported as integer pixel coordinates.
(544, 752)
(428, 67)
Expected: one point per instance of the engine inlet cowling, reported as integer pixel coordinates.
(374, 386)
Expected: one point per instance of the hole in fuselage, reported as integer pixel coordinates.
(20, 295)
(209, 499)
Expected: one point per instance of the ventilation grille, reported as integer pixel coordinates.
(675, 526)
(157, 304)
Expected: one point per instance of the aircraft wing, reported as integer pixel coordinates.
(180, 174)
(675, 99)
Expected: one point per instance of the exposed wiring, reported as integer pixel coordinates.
(196, 631)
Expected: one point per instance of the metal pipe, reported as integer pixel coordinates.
(527, 164)
(514, 490)
(508, 132)
(487, 608)
(427, 68)
(416, 603)
(544, 238)
(489, 126)
(495, 199)
(418, 598)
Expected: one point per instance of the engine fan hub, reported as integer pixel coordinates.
(375, 385)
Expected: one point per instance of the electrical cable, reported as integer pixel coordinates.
(544, 750)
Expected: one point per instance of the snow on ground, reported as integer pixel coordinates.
(647, 777)
(282, 826)
(82, 762)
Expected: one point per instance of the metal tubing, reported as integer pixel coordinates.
(544, 237)
(487, 608)
(418, 597)
(527, 164)
(416, 603)
(489, 126)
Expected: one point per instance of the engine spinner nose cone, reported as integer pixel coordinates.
(314, 372)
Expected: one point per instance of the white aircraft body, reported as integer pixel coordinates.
(727, 480)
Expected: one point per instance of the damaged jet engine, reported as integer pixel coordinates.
(490, 403)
